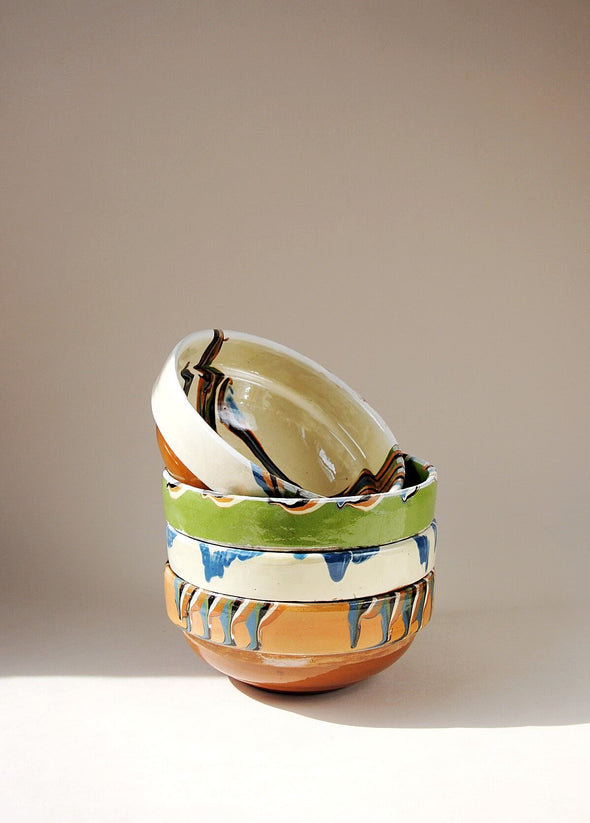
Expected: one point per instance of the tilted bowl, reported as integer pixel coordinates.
(242, 415)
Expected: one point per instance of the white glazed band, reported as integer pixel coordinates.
(341, 574)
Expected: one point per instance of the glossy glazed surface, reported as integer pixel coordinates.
(298, 628)
(346, 523)
(339, 574)
(298, 673)
(249, 416)
(177, 469)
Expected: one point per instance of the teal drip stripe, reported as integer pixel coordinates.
(411, 600)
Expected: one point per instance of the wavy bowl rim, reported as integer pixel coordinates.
(405, 492)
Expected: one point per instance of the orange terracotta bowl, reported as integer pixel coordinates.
(174, 465)
(297, 673)
(298, 647)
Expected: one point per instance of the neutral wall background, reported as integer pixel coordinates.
(398, 190)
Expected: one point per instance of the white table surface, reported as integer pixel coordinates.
(475, 723)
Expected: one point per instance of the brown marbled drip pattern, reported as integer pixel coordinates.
(213, 389)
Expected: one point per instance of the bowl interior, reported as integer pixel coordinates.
(289, 415)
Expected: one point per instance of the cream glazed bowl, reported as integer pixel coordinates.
(337, 574)
(251, 417)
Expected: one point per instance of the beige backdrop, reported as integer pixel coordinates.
(398, 190)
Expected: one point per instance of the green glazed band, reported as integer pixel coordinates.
(346, 523)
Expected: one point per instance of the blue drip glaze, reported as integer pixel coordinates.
(385, 614)
(364, 554)
(205, 618)
(355, 607)
(170, 535)
(337, 563)
(435, 529)
(189, 622)
(406, 615)
(252, 624)
(236, 416)
(421, 604)
(257, 473)
(423, 544)
(216, 561)
(225, 618)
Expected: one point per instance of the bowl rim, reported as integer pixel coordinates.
(404, 492)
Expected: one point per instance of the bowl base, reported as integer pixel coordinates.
(297, 673)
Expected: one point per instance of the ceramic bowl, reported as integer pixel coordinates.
(289, 646)
(251, 417)
(338, 574)
(301, 524)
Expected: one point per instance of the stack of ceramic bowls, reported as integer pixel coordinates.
(301, 541)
